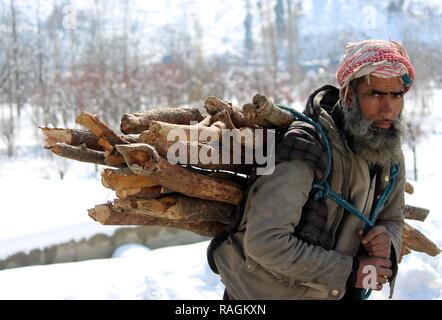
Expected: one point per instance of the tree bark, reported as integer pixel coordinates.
(195, 133)
(107, 216)
(415, 240)
(215, 106)
(409, 188)
(142, 159)
(114, 159)
(140, 193)
(79, 153)
(106, 137)
(267, 110)
(250, 114)
(140, 121)
(180, 208)
(224, 117)
(73, 137)
(415, 213)
(161, 145)
(404, 251)
(125, 179)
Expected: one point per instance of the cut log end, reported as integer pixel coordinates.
(415, 213)
(100, 213)
(415, 240)
(409, 188)
(139, 156)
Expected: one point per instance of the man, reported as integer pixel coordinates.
(291, 244)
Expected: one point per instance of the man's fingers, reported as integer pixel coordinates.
(380, 248)
(379, 239)
(373, 233)
(381, 280)
(384, 272)
(383, 262)
(378, 287)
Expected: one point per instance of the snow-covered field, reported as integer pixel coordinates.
(39, 209)
(179, 272)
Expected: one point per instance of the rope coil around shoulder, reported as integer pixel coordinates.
(323, 188)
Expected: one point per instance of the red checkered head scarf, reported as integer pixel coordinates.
(380, 58)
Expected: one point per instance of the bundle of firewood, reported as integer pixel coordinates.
(190, 193)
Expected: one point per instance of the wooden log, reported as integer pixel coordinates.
(161, 145)
(415, 213)
(214, 106)
(415, 240)
(250, 114)
(195, 133)
(105, 215)
(404, 251)
(165, 190)
(113, 159)
(267, 110)
(125, 179)
(143, 159)
(79, 153)
(180, 208)
(140, 193)
(205, 121)
(139, 121)
(155, 139)
(131, 138)
(238, 178)
(409, 188)
(73, 137)
(223, 117)
(106, 137)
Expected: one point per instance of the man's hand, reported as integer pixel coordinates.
(380, 268)
(377, 242)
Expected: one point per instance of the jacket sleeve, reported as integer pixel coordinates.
(273, 211)
(391, 216)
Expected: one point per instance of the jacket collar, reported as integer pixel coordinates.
(323, 105)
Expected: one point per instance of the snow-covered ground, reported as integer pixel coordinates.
(39, 209)
(179, 272)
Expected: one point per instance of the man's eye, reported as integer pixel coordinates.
(398, 95)
(375, 94)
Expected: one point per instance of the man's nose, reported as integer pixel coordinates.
(387, 109)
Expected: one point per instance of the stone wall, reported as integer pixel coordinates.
(101, 246)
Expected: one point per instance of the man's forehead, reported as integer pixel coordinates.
(383, 84)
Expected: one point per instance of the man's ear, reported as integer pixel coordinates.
(349, 97)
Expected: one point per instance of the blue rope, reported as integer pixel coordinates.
(323, 188)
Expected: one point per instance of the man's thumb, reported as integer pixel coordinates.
(360, 232)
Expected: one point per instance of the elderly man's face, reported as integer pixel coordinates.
(380, 101)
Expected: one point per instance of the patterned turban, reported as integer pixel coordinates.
(380, 58)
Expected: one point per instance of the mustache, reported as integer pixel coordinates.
(364, 129)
